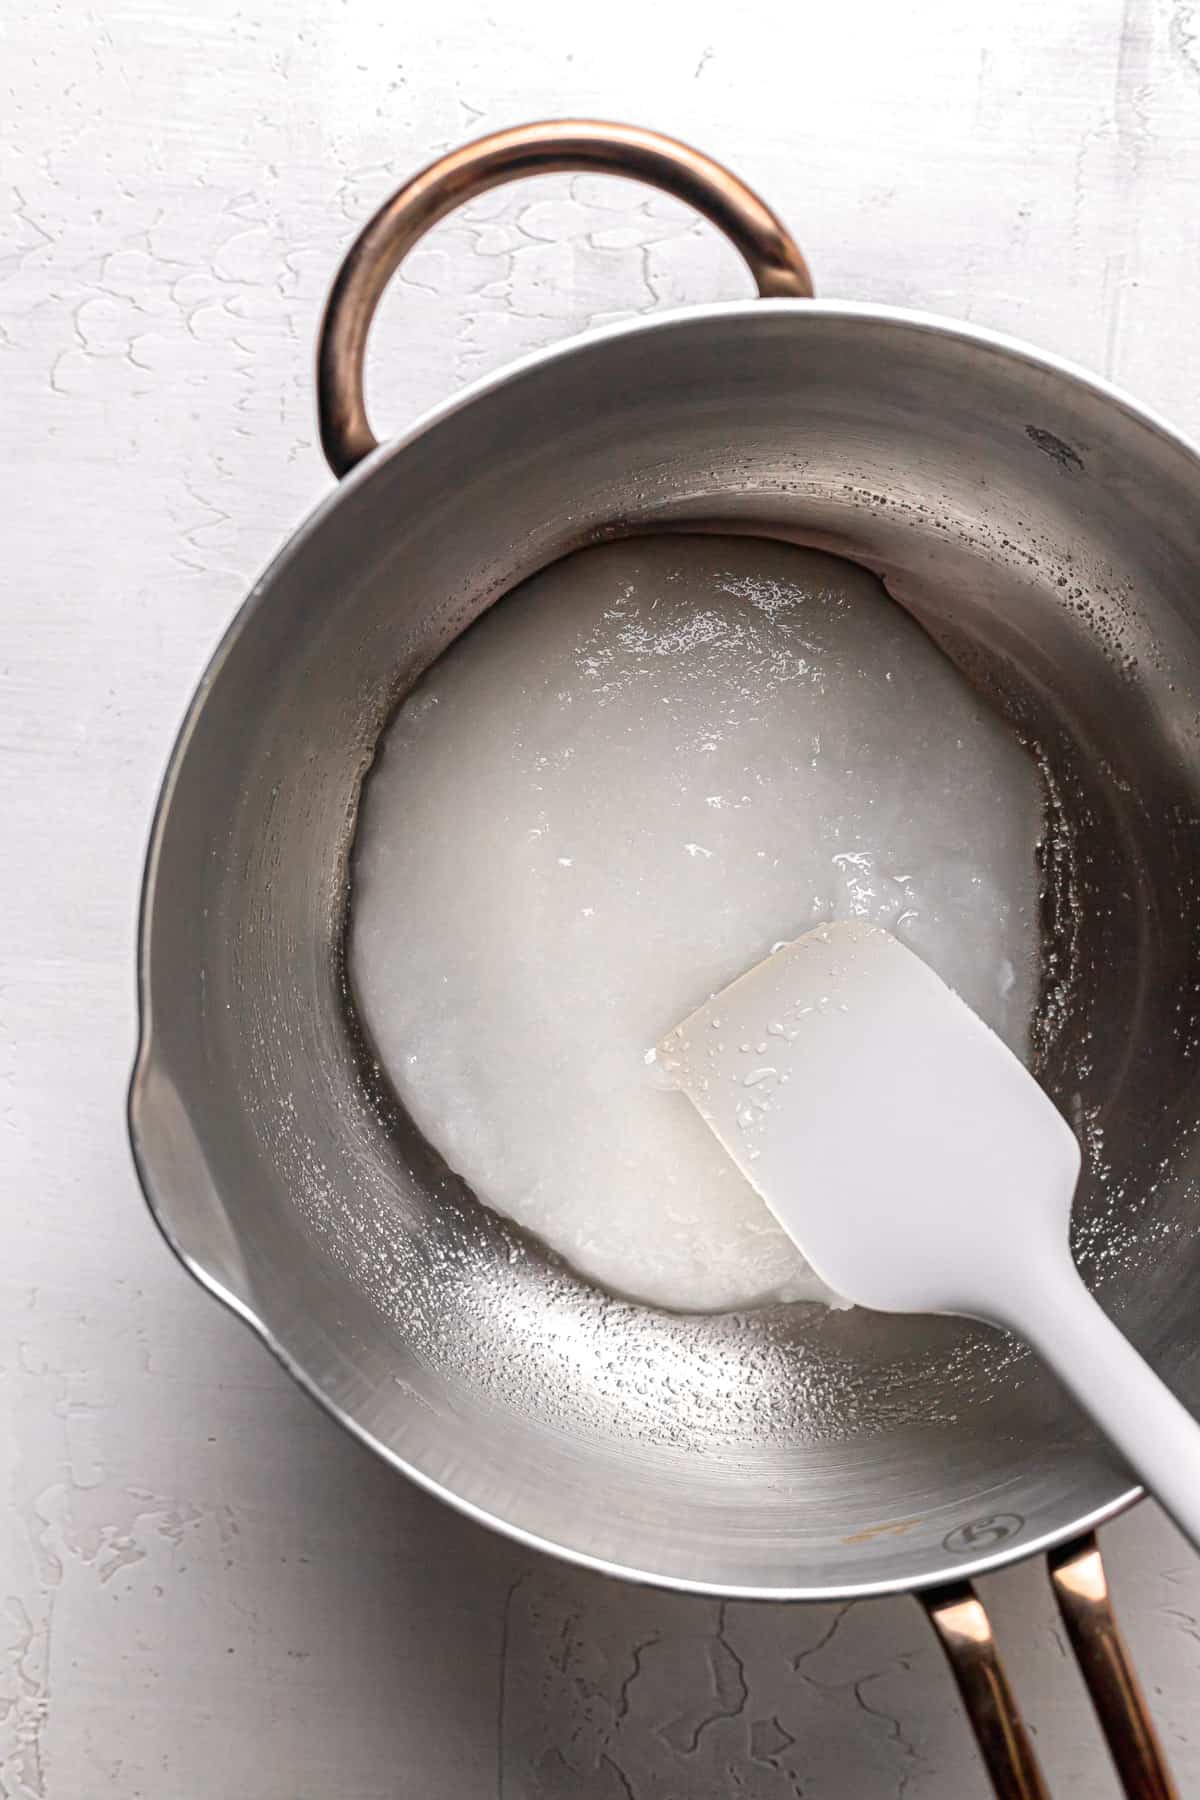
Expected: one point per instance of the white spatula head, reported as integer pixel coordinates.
(920, 1167)
(910, 1155)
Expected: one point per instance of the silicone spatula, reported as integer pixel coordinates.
(919, 1167)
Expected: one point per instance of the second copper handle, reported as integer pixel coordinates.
(579, 146)
(1081, 1589)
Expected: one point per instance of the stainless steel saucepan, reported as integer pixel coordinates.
(1047, 531)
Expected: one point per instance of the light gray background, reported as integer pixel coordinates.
(206, 1591)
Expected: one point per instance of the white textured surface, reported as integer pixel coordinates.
(206, 1592)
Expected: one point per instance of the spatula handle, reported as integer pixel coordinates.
(1137, 1412)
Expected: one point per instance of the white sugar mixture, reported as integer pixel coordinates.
(629, 780)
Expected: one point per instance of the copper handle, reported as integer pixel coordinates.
(966, 1635)
(1081, 1589)
(581, 146)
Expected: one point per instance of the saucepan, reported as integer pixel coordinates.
(1046, 530)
